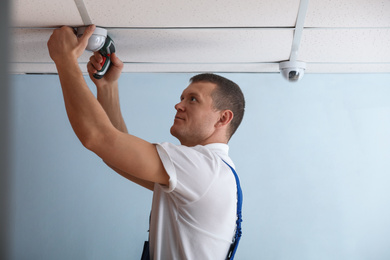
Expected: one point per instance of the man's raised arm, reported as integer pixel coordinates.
(90, 121)
(108, 97)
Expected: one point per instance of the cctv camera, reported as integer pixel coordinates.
(97, 40)
(292, 70)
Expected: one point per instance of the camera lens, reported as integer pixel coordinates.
(293, 75)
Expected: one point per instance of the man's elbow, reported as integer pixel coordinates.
(88, 140)
(95, 141)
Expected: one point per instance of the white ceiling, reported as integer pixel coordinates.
(342, 36)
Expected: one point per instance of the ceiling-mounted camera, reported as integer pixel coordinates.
(97, 39)
(292, 70)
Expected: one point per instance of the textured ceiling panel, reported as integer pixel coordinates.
(199, 13)
(203, 45)
(44, 13)
(173, 46)
(30, 45)
(348, 68)
(48, 68)
(348, 13)
(213, 35)
(21, 68)
(343, 45)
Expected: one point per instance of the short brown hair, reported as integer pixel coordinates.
(227, 95)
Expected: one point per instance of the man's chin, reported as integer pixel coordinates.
(173, 131)
(176, 133)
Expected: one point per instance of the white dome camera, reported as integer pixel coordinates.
(292, 70)
(97, 40)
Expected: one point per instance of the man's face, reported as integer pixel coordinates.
(196, 117)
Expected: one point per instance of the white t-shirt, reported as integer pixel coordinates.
(194, 217)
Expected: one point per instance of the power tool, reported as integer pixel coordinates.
(100, 41)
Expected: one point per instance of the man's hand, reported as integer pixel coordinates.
(112, 74)
(65, 46)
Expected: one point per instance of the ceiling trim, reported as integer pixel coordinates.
(270, 67)
(83, 12)
(168, 28)
(299, 26)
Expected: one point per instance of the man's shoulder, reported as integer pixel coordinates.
(212, 148)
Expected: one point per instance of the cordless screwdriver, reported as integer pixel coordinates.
(99, 41)
(106, 51)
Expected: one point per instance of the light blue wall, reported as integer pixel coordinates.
(313, 159)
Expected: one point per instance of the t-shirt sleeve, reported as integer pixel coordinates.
(191, 170)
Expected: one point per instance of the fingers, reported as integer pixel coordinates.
(116, 61)
(95, 60)
(91, 69)
(98, 56)
(60, 43)
(83, 40)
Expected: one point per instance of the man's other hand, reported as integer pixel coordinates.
(113, 72)
(64, 45)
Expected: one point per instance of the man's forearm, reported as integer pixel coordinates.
(108, 97)
(86, 115)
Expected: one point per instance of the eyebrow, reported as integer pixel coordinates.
(191, 94)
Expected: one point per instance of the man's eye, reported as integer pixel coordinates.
(193, 98)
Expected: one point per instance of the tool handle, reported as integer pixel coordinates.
(106, 51)
(105, 66)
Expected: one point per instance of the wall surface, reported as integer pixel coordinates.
(313, 159)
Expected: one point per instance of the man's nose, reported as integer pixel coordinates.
(179, 106)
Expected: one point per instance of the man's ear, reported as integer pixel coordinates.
(225, 118)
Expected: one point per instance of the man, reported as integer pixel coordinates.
(194, 191)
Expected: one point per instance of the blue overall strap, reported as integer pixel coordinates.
(233, 247)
